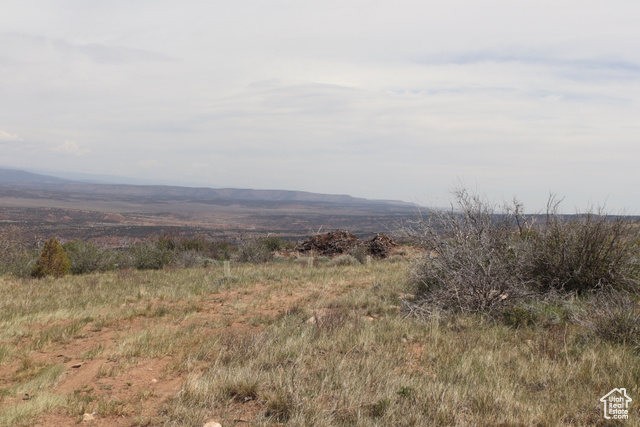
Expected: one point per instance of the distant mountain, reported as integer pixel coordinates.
(11, 176)
(17, 179)
(114, 214)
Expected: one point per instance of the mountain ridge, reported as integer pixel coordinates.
(39, 182)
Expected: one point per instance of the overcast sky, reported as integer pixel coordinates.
(377, 99)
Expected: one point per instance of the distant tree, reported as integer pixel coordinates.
(53, 261)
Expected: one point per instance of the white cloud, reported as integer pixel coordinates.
(6, 136)
(512, 95)
(70, 147)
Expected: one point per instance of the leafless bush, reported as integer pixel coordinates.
(484, 257)
(14, 256)
(475, 255)
(254, 251)
(9, 241)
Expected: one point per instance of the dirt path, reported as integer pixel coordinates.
(133, 392)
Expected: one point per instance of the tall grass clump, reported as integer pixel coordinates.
(614, 317)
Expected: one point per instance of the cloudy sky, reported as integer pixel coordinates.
(378, 99)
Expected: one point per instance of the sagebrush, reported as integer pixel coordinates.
(483, 257)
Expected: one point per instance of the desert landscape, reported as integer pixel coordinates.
(44, 206)
(465, 317)
(319, 213)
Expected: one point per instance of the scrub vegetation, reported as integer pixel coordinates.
(494, 319)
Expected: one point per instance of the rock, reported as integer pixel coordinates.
(212, 424)
(76, 365)
(153, 381)
(88, 417)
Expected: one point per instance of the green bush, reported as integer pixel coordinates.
(53, 261)
(518, 316)
(149, 256)
(205, 248)
(85, 257)
(360, 253)
(584, 252)
(275, 243)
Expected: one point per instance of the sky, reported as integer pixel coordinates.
(401, 100)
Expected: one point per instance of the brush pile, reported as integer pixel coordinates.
(380, 245)
(342, 242)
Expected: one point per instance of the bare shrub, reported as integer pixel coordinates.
(14, 256)
(474, 261)
(255, 251)
(9, 241)
(481, 258)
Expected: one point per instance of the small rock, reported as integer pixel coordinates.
(153, 381)
(211, 424)
(88, 417)
(77, 365)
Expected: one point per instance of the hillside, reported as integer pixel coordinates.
(69, 209)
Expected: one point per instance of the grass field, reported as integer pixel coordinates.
(284, 343)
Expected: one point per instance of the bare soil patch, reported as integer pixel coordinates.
(136, 388)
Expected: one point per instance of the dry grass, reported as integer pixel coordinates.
(286, 344)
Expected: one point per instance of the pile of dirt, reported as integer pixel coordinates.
(341, 242)
(380, 245)
(329, 244)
